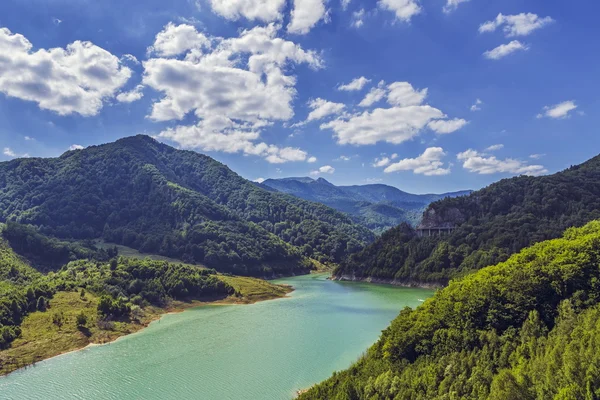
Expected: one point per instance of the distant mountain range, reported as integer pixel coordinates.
(378, 207)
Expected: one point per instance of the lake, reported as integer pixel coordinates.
(266, 350)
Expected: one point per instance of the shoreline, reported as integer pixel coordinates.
(155, 314)
(407, 283)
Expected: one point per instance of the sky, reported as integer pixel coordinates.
(429, 96)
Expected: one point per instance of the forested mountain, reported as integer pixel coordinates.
(491, 224)
(525, 329)
(378, 207)
(149, 196)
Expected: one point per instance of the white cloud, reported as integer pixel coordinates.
(131, 58)
(558, 111)
(29, 138)
(536, 156)
(8, 152)
(358, 18)
(403, 94)
(345, 4)
(220, 133)
(75, 147)
(264, 10)
(495, 147)
(323, 108)
(373, 180)
(516, 25)
(236, 88)
(326, 169)
(429, 163)
(131, 96)
(305, 15)
(484, 164)
(343, 158)
(177, 39)
(505, 49)
(259, 180)
(393, 125)
(77, 79)
(311, 160)
(404, 9)
(356, 84)
(477, 105)
(402, 122)
(446, 126)
(381, 162)
(452, 5)
(375, 95)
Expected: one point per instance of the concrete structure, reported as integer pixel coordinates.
(434, 231)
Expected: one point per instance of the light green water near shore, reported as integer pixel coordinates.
(266, 350)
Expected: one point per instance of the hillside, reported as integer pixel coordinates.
(377, 207)
(491, 224)
(147, 195)
(524, 329)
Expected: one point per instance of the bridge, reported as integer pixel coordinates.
(428, 231)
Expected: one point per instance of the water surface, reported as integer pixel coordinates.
(267, 350)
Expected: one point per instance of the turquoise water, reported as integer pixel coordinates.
(266, 350)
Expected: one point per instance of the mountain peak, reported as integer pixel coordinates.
(324, 181)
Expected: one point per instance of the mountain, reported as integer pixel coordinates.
(524, 329)
(378, 207)
(149, 196)
(488, 226)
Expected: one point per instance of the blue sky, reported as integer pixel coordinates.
(454, 94)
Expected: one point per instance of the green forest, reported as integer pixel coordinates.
(123, 284)
(146, 195)
(491, 224)
(526, 328)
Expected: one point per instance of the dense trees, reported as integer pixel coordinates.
(121, 283)
(492, 224)
(144, 194)
(526, 328)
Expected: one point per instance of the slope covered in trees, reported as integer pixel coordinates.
(152, 197)
(377, 207)
(527, 328)
(491, 224)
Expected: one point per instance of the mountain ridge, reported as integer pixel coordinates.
(376, 206)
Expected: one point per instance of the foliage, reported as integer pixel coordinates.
(491, 224)
(526, 328)
(154, 198)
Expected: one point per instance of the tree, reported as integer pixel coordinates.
(81, 320)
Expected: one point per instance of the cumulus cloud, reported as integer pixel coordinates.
(558, 111)
(384, 161)
(259, 180)
(477, 105)
(375, 95)
(345, 4)
(236, 88)
(263, 10)
(355, 84)
(446, 126)
(326, 169)
(131, 96)
(76, 147)
(311, 160)
(452, 5)
(76, 79)
(516, 25)
(403, 94)
(495, 147)
(177, 39)
(505, 49)
(323, 108)
(305, 15)
(404, 9)
(485, 164)
(405, 120)
(429, 163)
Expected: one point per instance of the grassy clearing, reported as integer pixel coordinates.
(133, 253)
(252, 290)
